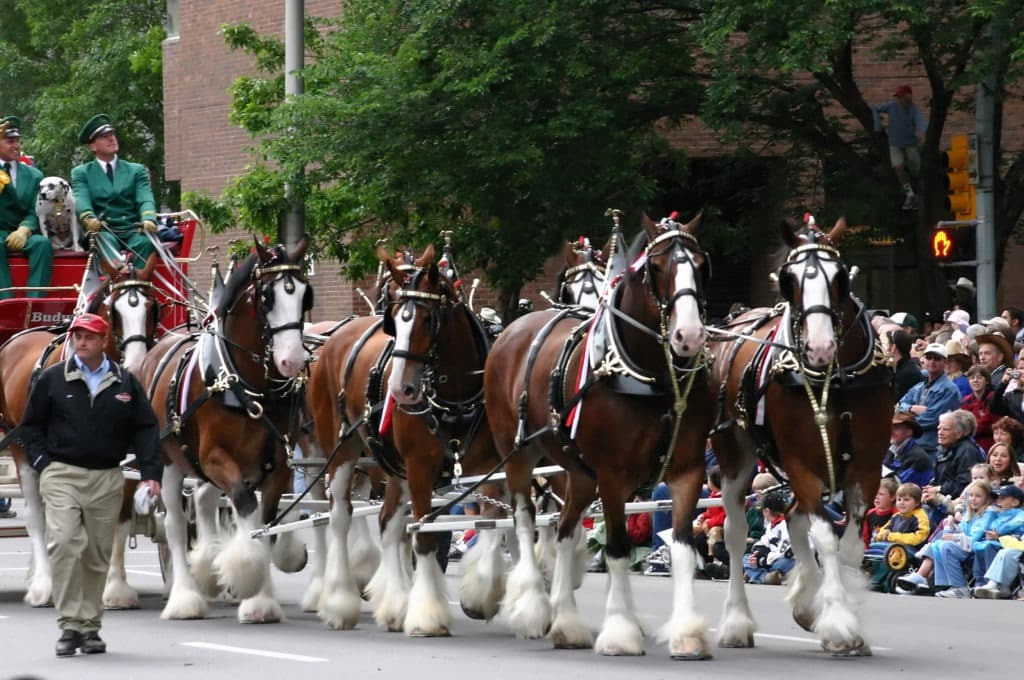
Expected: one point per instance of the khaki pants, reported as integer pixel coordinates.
(82, 507)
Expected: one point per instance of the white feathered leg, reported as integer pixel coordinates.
(483, 577)
(209, 539)
(838, 625)
(243, 564)
(686, 630)
(339, 604)
(184, 600)
(526, 607)
(737, 626)
(428, 614)
(40, 585)
(805, 578)
(621, 634)
(568, 629)
(389, 587)
(311, 598)
(117, 594)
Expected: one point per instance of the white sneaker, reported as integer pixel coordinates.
(992, 591)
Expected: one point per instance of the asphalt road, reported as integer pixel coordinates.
(912, 637)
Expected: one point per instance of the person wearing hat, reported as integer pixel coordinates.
(957, 363)
(113, 193)
(906, 460)
(19, 225)
(908, 321)
(994, 353)
(1005, 566)
(963, 296)
(82, 417)
(905, 127)
(1009, 396)
(771, 556)
(931, 397)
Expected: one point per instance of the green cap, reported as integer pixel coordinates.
(97, 125)
(10, 126)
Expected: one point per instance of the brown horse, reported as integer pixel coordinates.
(131, 309)
(227, 401)
(805, 386)
(640, 412)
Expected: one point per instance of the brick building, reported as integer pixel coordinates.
(204, 151)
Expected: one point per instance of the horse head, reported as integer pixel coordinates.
(581, 281)
(282, 295)
(815, 283)
(134, 315)
(418, 309)
(677, 272)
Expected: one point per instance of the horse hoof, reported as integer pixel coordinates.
(805, 620)
(736, 643)
(690, 649)
(856, 648)
(420, 633)
(473, 612)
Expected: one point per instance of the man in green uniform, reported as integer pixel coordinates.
(114, 193)
(19, 226)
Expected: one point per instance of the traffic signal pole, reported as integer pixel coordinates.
(984, 232)
(292, 225)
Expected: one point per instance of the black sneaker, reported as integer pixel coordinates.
(92, 643)
(68, 643)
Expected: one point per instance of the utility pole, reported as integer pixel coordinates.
(292, 227)
(984, 233)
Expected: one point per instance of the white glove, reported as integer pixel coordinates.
(144, 500)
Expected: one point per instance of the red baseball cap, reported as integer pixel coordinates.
(90, 322)
(902, 90)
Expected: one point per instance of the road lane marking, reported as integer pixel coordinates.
(794, 638)
(255, 652)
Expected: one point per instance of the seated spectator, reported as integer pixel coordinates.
(1010, 432)
(638, 531)
(956, 455)
(709, 531)
(909, 526)
(1003, 465)
(755, 502)
(1004, 570)
(1007, 520)
(949, 551)
(979, 403)
(885, 506)
(906, 460)
(771, 557)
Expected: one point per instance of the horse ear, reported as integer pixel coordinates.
(568, 254)
(693, 225)
(299, 251)
(649, 225)
(260, 250)
(837, 231)
(789, 237)
(426, 258)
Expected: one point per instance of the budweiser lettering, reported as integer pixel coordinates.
(42, 317)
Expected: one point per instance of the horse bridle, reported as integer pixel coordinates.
(682, 247)
(263, 291)
(810, 255)
(589, 272)
(408, 300)
(135, 289)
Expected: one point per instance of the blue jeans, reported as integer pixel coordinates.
(1005, 567)
(984, 556)
(950, 560)
(5, 504)
(756, 574)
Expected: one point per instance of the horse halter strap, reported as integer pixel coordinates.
(134, 286)
(289, 272)
(679, 254)
(810, 252)
(408, 300)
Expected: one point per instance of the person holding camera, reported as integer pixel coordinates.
(1009, 393)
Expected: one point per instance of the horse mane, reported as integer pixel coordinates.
(236, 282)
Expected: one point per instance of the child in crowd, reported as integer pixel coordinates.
(755, 518)
(1003, 463)
(771, 557)
(908, 526)
(709, 531)
(1008, 520)
(885, 506)
(1005, 567)
(946, 555)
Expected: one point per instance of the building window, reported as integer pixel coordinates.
(173, 23)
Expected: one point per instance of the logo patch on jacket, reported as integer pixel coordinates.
(123, 397)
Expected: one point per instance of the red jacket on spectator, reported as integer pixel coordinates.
(982, 411)
(713, 517)
(873, 521)
(638, 528)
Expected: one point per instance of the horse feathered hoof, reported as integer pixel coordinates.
(474, 613)
(419, 633)
(845, 649)
(805, 619)
(690, 648)
(736, 643)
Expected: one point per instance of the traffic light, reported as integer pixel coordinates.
(954, 245)
(960, 179)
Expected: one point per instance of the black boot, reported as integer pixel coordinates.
(68, 643)
(92, 643)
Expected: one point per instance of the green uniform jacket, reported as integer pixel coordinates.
(127, 201)
(18, 207)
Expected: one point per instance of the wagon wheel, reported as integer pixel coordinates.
(896, 557)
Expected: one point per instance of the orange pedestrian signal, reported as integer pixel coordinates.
(942, 245)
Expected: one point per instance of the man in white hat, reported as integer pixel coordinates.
(932, 397)
(963, 296)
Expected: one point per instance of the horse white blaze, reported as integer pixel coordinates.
(820, 338)
(133, 325)
(403, 386)
(288, 353)
(686, 330)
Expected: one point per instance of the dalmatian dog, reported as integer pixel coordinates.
(55, 209)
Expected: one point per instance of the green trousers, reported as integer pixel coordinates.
(112, 243)
(40, 264)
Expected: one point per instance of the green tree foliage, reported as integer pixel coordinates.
(512, 125)
(62, 61)
(783, 73)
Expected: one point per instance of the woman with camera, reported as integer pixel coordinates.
(1010, 392)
